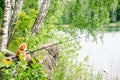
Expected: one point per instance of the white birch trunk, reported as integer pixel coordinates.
(41, 16)
(39, 3)
(6, 21)
(15, 11)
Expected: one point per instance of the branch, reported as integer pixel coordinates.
(8, 53)
(42, 47)
(50, 45)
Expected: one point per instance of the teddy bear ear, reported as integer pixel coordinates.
(23, 45)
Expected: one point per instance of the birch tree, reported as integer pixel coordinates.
(6, 21)
(41, 16)
(16, 6)
(12, 9)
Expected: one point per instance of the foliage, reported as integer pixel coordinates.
(22, 70)
(76, 70)
(1, 11)
(118, 12)
(23, 26)
(30, 5)
(76, 14)
(3, 61)
(64, 18)
(69, 67)
(88, 16)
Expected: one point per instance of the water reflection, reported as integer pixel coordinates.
(104, 56)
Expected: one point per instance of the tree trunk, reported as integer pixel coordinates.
(41, 16)
(16, 8)
(39, 3)
(6, 21)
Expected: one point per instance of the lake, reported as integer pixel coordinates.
(104, 56)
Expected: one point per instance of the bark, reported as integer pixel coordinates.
(9, 53)
(15, 11)
(50, 59)
(40, 18)
(39, 3)
(12, 9)
(6, 21)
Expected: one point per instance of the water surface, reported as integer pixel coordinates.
(104, 56)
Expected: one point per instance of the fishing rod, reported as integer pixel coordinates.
(44, 47)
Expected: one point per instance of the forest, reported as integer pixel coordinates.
(50, 33)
